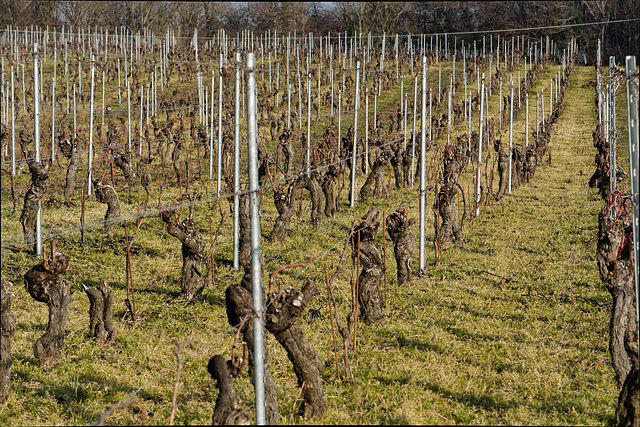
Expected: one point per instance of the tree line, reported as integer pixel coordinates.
(564, 18)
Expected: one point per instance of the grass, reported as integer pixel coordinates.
(510, 328)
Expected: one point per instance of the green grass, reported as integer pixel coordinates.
(510, 328)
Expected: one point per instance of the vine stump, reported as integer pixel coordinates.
(237, 298)
(101, 324)
(192, 281)
(404, 243)
(228, 410)
(281, 319)
(373, 269)
(107, 194)
(45, 284)
(7, 329)
(39, 177)
(615, 267)
(628, 410)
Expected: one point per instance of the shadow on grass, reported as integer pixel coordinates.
(24, 326)
(213, 300)
(73, 396)
(400, 380)
(481, 401)
(148, 288)
(403, 342)
(26, 360)
(573, 408)
(465, 335)
(392, 419)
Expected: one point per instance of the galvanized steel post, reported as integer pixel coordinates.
(36, 137)
(479, 173)
(612, 131)
(91, 127)
(526, 125)
(308, 148)
(213, 106)
(220, 119)
(128, 114)
(339, 120)
(256, 257)
(413, 134)
(236, 163)
(423, 163)
(511, 137)
(366, 133)
(53, 119)
(355, 138)
(634, 163)
(13, 125)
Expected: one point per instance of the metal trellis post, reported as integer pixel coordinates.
(423, 163)
(236, 164)
(256, 261)
(479, 173)
(634, 142)
(354, 157)
(36, 137)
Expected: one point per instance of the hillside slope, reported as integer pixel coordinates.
(511, 327)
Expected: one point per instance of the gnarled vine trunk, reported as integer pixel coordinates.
(615, 267)
(404, 243)
(101, 324)
(7, 329)
(238, 299)
(45, 284)
(228, 410)
(407, 165)
(285, 205)
(107, 194)
(142, 169)
(503, 170)
(397, 160)
(281, 319)
(450, 229)
(39, 177)
(628, 410)
(313, 185)
(73, 153)
(178, 146)
(192, 281)
(123, 162)
(244, 245)
(328, 187)
(373, 269)
(285, 156)
(454, 162)
(375, 180)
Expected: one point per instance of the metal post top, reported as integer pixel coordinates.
(250, 60)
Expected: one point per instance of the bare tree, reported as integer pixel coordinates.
(138, 15)
(75, 14)
(17, 12)
(374, 17)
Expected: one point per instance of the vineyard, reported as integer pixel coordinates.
(424, 227)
